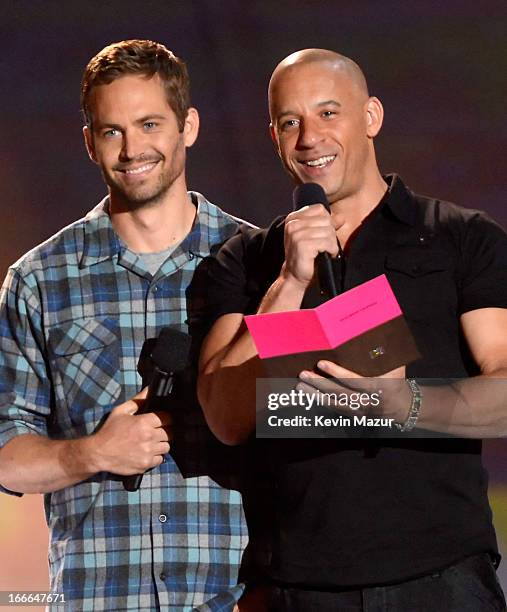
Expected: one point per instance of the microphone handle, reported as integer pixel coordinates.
(132, 483)
(158, 393)
(325, 274)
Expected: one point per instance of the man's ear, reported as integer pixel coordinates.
(88, 139)
(191, 127)
(374, 116)
(274, 138)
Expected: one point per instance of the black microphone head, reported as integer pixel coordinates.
(170, 353)
(308, 194)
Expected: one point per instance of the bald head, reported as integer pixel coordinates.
(323, 122)
(330, 59)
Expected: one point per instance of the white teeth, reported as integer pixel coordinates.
(140, 169)
(322, 161)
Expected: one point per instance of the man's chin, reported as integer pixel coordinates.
(136, 199)
(301, 178)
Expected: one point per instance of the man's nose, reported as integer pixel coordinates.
(309, 134)
(133, 145)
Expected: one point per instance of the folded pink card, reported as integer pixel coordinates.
(358, 327)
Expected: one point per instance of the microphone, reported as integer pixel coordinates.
(306, 195)
(168, 357)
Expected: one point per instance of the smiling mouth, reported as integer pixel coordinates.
(320, 162)
(139, 169)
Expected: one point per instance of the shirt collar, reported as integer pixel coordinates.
(398, 199)
(101, 242)
(199, 240)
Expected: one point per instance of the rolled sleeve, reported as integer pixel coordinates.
(25, 389)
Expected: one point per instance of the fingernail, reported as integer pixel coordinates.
(304, 374)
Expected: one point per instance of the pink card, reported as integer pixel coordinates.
(329, 325)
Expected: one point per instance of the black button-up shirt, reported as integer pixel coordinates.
(348, 513)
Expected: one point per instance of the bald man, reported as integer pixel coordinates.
(393, 523)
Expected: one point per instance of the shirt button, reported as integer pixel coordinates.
(162, 576)
(155, 289)
(162, 518)
(191, 255)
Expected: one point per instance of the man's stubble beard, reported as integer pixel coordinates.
(139, 197)
(144, 196)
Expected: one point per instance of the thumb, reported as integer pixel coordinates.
(128, 407)
(138, 400)
(132, 405)
(142, 394)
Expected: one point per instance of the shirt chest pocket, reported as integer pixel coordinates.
(86, 369)
(423, 283)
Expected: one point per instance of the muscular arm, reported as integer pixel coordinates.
(126, 444)
(229, 367)
(475, 407)
(228, 363)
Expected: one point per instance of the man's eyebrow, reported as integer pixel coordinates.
(116, 126)
(329, 103)
(318, 105)
(101, 126)
(285, 113)
(150, 118)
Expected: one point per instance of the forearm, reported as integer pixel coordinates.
(226, 390)
(474, 407)
(285, 293)
(35, 464)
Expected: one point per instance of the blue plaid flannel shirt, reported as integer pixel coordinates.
(74, 313)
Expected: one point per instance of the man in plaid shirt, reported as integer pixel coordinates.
(75, 312)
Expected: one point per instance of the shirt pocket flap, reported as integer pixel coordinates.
(82, 335)
(416, 264)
